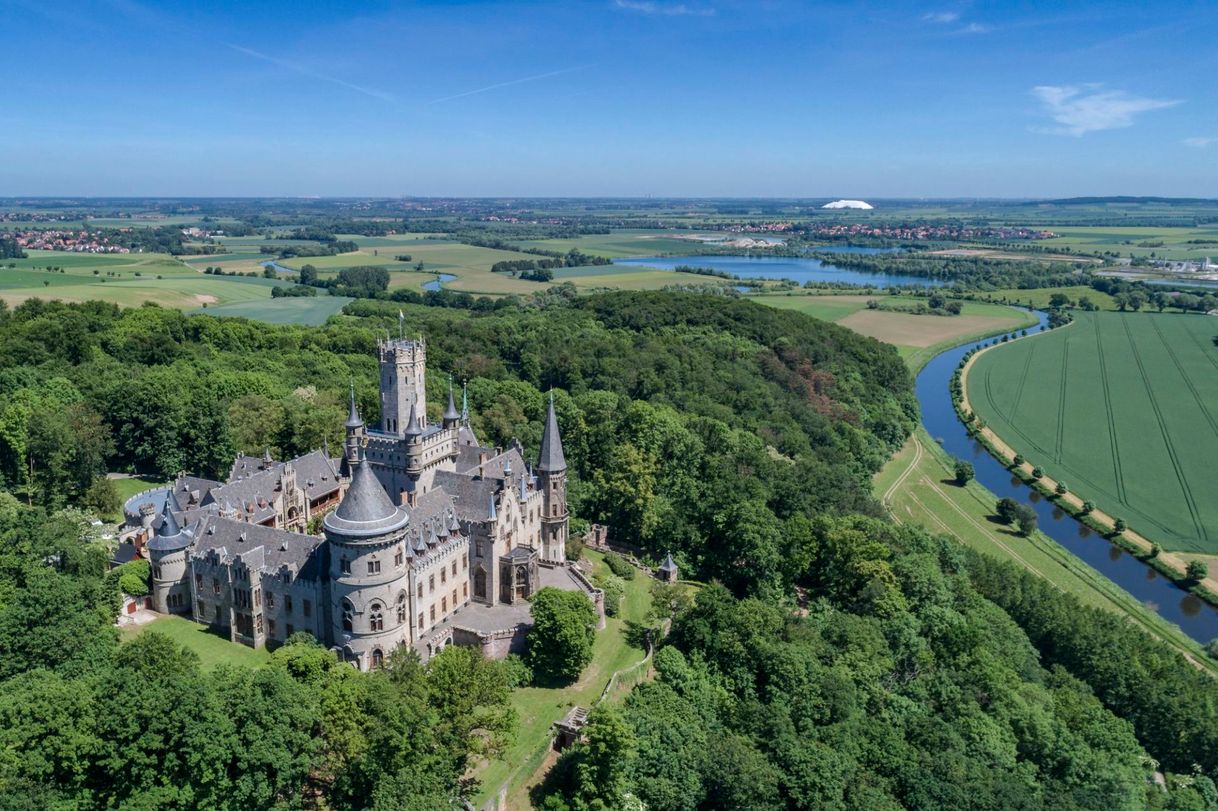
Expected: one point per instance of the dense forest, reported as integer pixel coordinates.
(832, 661)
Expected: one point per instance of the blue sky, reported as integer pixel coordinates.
(609, 98)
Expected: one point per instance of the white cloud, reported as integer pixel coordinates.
(975, 28)
(1087, 108)
(943, 17)
(664, 9)
(1201, 142)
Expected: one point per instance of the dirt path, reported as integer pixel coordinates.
(1007, 455)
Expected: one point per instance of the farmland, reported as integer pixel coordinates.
(1124, 408)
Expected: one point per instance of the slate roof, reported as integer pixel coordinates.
(262, 547)
(366, 509)
(471, 497)
(495, 467)
(170, 535)
(192, 490)
(316, 474)
(450, 411)
(551, 458)
(668, 565)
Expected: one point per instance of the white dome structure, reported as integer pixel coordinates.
(849, 204)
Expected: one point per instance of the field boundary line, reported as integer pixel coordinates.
(1171, 449)
(1023, 379)
(1061, 401)
(1122, 497)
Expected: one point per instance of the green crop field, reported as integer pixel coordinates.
(620, 243)
(310, 311)
(1165, 243)
(1123, 407)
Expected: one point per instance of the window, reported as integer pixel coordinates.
(156, 572)
(464, 563)
(270, 627)
(202, 609)
(454, 598)
(401, 608)
(454, 568)
(374, 567)
(397, 557)
(215, 585)
(420, 620)
(258, 598)
(308, 608)
(378, 658)
(443, 605)
(433, 612)
(289, 630)
(420, 589)
(257, 623)
(376, 620)
(270, 599)
(345, 566)
(465, 590)
(199, 582)
(431, 584)
(444, 575)
(348, 613)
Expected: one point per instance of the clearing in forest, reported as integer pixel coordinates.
(1123, 407)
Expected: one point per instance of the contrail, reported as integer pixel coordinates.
(301, 69)
(508, 84)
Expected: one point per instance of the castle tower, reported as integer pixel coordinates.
(167, 554)
(369, 575)
(552, 472)
(403, 382)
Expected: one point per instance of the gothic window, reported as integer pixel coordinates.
(270, 599)
(374, 567)
(378, 658)
(215, 585)
(444, 575)
(431, 584)
(420, 589)
(199, 582)
(270, 627)
(345, 566)
(433, 612)
(348, 612)
(217, 613)
(454, 598)
(376, 619)
(454, 568)
(397, 558)
(156, 572)
(420, 620)
(401, 608)
(443, 605)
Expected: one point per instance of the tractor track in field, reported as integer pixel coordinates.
(1171, 450)
(1112, 437)
(1061, 401)
(1023, 379)
(1187, 381)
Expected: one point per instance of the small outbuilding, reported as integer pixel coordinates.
(668, 571)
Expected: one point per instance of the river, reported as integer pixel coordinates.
(1195, 617)
(796, 268)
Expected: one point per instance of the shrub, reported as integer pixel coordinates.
(1018, 460)
(1037, 472)
(1119, 525)
(615, 589)
(564, 629)
(1155, 550)
(574, 547)
(134, 578)
(1061, 489)
(964, 472)
(1088, 507)
(619, 566)
(1196, 570)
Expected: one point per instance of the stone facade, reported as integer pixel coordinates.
(429, 538)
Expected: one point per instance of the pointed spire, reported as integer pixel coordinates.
(451, 415)
(551, 459)
(412, 425)
(353, 418)
(464, 405)
(493, 516)
(669, 565)
(169, 524)
(524, 489)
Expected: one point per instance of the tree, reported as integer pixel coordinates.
(1059, 300)
(604, 761)
(964, 472)
(1197, 570)
(1026, 519)
(560, 641)
(1119, 525)
(102, 497)
(1018, 460)
(1061, 489)
(308, 274)
(1007, 509)
(1088, 507)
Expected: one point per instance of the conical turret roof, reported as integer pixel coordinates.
(366, 509)
(353, 418)
(551, 459)
(412, 425)
(170, 535)
(451, 414)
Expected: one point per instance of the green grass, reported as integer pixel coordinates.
(1039, 298)
(620, 243)
(1123, 407)
(540, 707)
(912, 487)
(1127, 239)
(211, 648)
(310, 311)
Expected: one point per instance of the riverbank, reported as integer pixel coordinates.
(1170, 564)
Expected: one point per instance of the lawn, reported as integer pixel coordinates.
(212, 648)
(540, 707)
(1123, 407)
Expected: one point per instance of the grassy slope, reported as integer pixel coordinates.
(1122, 407)
(311, 311)
(212, 649)
(540, 707)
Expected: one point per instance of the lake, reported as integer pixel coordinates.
(795, 268)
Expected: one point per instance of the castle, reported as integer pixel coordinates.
(435, 538)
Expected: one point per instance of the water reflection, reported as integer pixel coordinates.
(1035, 497)
(1151, 574)
(1084, 531)
(1191, 605)
(1058, 513)
(1115, 553)
(1016, 481)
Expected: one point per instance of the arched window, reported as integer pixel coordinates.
(401, 608)
(376, 619)
(348, 613)
(480, 584)
(378, 658)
